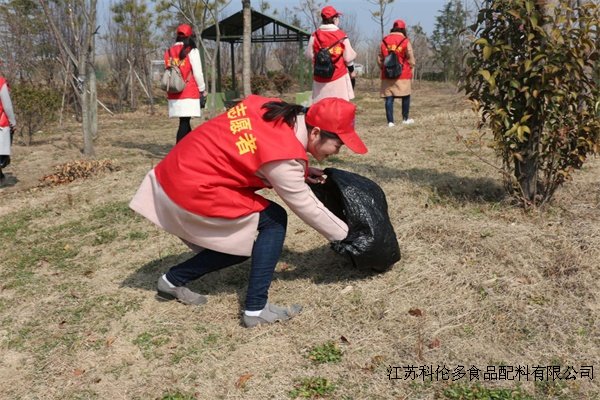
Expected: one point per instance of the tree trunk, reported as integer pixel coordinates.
(526, 170)
(246, 63)
(82, 57)
(90, 123)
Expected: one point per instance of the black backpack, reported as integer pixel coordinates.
(392, 67)
(324, 67)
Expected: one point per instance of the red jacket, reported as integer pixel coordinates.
(211, 172)
(191, 87)
(398, 43)
(3, 118)
(323, 39)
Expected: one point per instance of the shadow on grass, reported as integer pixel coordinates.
(449, 185)
(320, 266)
(154, 150)
(446, 185)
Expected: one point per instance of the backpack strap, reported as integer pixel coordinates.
(337, 41)
(388, 47)
(328, 48)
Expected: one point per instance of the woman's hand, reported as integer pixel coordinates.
(315, 175)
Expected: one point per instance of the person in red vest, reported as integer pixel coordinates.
(8, 123)
(186, 104)
(399, 87)
(204, 192)
(342, 54)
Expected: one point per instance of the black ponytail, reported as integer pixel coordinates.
(188, 45)
(280, 110)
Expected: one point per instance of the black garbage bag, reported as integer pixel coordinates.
(360, 203)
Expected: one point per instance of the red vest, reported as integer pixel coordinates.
(191, 87)
(211, 172)
(396, 42)
(323, 39)
(3, 118)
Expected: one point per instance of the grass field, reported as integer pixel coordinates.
(481, 284)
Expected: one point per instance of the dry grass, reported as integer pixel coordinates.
(485, 283)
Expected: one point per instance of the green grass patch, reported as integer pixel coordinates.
(312, 387)
(479, 392)
(328, 352)
(150, 342)
(57, 245)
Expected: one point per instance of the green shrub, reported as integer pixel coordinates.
(530, 77)
(35, 107)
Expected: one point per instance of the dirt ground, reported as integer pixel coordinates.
(481, 284)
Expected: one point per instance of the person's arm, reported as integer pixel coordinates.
(383, 51)
(7, 105)
(287, 179)
(411, 55)
(309, 52)
(349, 53)
(194, 56)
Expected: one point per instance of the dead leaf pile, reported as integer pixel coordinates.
(80, 169)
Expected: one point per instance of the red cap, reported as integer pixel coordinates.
(329, 12)
(399, 24)
(337, 116)
(184, 30)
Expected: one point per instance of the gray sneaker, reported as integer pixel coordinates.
(181, 293)
(272, 314)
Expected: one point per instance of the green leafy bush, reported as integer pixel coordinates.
(35, 106)
(531, 77)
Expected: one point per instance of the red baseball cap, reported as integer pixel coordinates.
(184, 30)
(399, 24)
(329, 12)
(337, 116)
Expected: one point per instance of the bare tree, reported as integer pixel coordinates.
(27, 50)
(422, 51)
(380, 15)
(287, 53)
(349, 25)
(130, 44)
(311, 9)
(77, 54)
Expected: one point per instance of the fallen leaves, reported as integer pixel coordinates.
(80, 169)
(415, 312)
(242, 380)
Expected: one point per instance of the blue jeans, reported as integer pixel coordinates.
(272, 224)
(389, 108)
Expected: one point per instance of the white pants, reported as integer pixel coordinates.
(5, 141)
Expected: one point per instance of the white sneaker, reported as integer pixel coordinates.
(391, 124)
(408, 121)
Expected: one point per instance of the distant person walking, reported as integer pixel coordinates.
(398, 42)
(8, 123)
(186, 104)
(330, 36)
